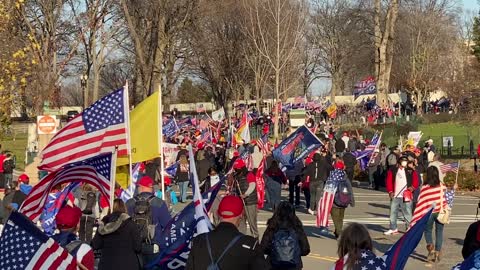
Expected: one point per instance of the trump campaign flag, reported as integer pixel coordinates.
(470, 263)
(296, 147)
(179, 232)
(96, 171)
(24, 246)
(326, 201)
(100, 128)
(365, 87)
(397, 256)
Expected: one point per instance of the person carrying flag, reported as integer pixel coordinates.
(400, 183)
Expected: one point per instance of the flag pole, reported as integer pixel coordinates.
(458, 170)
(160, 140)
(113, 171)
(129, 140)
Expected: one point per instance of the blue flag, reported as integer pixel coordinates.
(296, 147)
(365, 87)
(185, 122)
(470, 263)
(172, 169)
(170, 128)
(179, 232)
(397, 256)
(54, 203)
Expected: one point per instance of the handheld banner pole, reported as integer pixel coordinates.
(160, 140)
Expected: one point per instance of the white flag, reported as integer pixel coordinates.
(218, 115)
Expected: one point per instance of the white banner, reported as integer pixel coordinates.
(170, 152)
(218, 115)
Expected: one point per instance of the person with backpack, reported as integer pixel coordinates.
(67, 220)
(87, 201)
(151, 215)
(316, 174)
(284, 240)
(343, 196)
(118, 240)
(226, 247)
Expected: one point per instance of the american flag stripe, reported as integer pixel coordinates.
(428, 196)
(100, 128)
(452, 167)
(324, 207)
(32, 207)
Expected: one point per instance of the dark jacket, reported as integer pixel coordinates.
(472, 240)
(244, 255)
(243, 177)
(340, 146)
(342, 175)
(350, 161)
(318, 170)
(267, 241)
(183, 174)
(202, 165)
(152, 169)
(119, 241)
(160, 214)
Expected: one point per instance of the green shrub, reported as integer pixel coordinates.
(467, 180)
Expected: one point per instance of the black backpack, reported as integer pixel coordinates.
(214, 263)
(142, 216)
(342, 197)
(286, 251)
(8, 166)
(91, 200)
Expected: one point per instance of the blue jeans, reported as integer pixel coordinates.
(438, 232)
(183, 190)
(406, 208)
(274, 191)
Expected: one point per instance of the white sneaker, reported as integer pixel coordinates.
(311, 212)
(391, 232)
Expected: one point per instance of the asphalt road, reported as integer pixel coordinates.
(372, 210)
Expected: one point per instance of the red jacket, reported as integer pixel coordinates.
(412, 179)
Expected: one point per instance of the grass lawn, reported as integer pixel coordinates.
(461, 133)
(16, 146)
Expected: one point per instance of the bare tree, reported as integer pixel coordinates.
(157, 31)
(340, 32)
(384, 45)
(277, 28)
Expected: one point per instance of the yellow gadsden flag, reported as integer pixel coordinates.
(144, 131)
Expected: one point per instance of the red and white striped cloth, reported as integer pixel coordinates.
(100, 128)
(428, 196)
(324, 208)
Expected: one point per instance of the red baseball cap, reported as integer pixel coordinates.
(339, 165)
(23, 178)
(230, 206)
(68, 217)
(239, 163)
(145, 181)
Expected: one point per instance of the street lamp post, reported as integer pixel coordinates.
(83, 83)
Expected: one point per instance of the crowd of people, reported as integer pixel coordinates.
(104, 238)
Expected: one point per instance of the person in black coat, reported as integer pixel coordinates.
(472, 240)
(244, 252)
(317, 173)
(202, 165)
(284, 218)
(350, 161)
(118, 239)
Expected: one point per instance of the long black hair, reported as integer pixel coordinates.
(353, 240)
(433, 178)
(284, 216)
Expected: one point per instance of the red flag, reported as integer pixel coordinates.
(260, 184)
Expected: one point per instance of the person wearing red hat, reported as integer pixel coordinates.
(244, 185)
(151, 215)
(67, 220)
(343, 196)
(226, 247)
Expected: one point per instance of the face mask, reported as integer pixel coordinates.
(403, 163)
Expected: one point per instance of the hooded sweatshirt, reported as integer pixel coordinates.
(318, 170)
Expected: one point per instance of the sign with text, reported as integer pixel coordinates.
(46, 124)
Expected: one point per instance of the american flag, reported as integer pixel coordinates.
(260, 181)
(100, 128)
(95, 171)
(263, 145)
(24, 246)
(452, 167)
(428, 196)
(200, 108)
(367, 261)
(326, 202)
